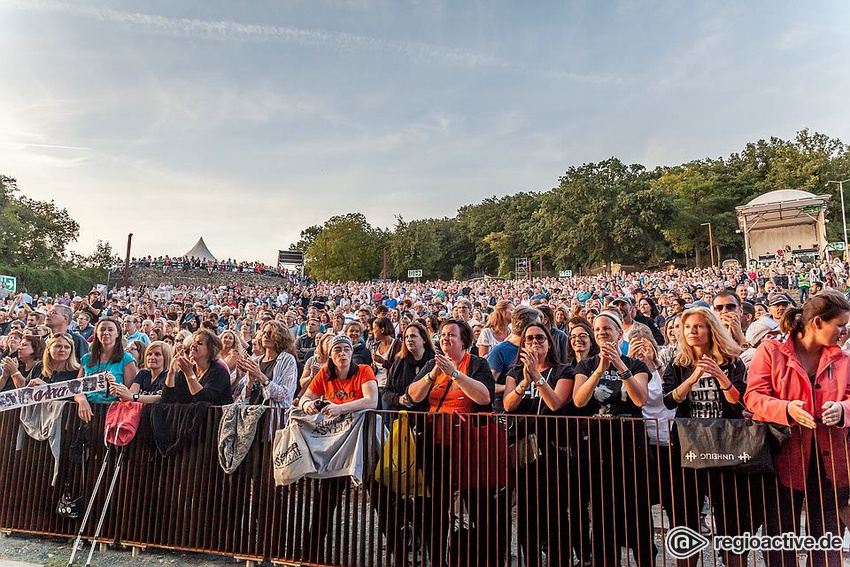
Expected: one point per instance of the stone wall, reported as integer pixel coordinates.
(156, 276)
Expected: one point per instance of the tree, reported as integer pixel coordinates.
(32, 232)
(308, 237)
(103, 258)
(601, 212)
(414, 245)
(347, 248)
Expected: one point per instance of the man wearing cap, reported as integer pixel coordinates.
(764, 328)
(778, 304)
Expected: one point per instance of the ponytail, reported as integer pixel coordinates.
(827, 305)
(792, 322)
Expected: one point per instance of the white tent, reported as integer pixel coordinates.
(200, 250)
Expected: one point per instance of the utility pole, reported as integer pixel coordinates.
(710, 241)
(126, 262)
(843, 216)
(325, 260)
(384, 272)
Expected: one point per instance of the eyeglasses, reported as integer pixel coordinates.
(721, 307)
(539, 339)
(340, 349)
(579, 337)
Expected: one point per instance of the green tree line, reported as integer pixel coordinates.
(34, 236)
(598, 213)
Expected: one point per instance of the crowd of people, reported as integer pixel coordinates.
(768, 343)
(186, 263)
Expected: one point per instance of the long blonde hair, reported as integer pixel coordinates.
(238, 344)
(721, 346)
(48, 365)
(500, 318)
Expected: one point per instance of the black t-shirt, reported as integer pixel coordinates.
(148, 386)
(532, 403)
(610, 397)
(59, 376)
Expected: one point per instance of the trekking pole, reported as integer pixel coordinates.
(105, 506)
(89, 508)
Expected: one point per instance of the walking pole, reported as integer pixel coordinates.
(105, 506)
(89, 508)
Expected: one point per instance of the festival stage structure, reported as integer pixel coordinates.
(784, 222)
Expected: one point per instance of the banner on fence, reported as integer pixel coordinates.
(29, 396)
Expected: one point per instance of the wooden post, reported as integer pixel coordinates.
(126, 263)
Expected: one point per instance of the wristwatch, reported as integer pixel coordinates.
(540, 382)
(455, 374)
(135, 397)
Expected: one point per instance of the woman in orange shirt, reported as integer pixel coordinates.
(455, 382)
(340, 387)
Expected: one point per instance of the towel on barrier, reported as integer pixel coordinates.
(236, 432)
(318, 447)
(43, 422)
(173, 425)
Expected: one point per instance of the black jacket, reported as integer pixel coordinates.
(402, 374)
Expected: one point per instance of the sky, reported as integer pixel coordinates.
(246, 121)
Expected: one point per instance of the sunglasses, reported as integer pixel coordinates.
(539, 339)
(726, 307)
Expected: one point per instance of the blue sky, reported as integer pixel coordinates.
(246, 121)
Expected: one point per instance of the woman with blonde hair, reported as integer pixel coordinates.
(497, 328)
(59, 362)
(232, 349)
(707, 379)
(147, 387)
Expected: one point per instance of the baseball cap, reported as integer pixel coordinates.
(622, 299)
(777, 298)
(758, 329)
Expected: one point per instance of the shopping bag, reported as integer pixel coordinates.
(122, 422)
(397, 468)
(479, 451)
(291, 456)
(741, 445)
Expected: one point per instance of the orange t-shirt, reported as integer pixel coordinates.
(456, 401)
(341, 390)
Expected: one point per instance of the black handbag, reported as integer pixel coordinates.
(740, 445)
(71, 507)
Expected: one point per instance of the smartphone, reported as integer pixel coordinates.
(320, 404)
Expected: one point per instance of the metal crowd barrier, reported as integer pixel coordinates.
(440, 490)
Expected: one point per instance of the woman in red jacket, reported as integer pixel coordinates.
(805, 382)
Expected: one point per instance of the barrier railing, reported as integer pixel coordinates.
(438, 490)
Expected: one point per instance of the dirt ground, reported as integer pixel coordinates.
(22, 549)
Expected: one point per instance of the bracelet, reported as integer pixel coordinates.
(727, 389)
(676, 397)
(429, 379)
(625, 374)
(519, 391)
